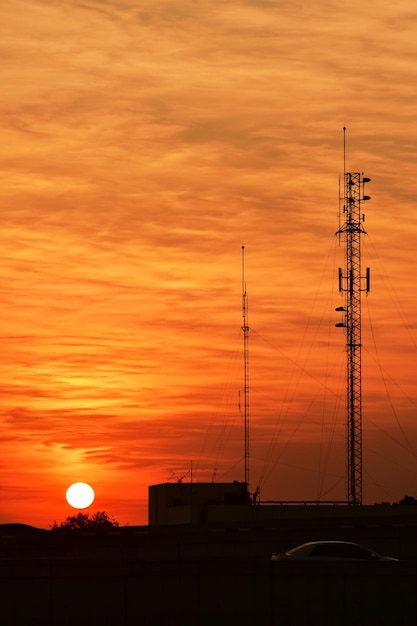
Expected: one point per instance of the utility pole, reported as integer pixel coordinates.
(352, 283)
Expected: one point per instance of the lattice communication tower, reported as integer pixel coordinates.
(245, 329)
(352, 283)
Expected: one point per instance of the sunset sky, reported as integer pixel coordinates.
(143, 143)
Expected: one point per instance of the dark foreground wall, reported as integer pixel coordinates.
(206, 575)
(125, 592)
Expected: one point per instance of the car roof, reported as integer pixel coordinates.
(320, 543)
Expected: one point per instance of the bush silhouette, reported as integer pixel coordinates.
(98, 521)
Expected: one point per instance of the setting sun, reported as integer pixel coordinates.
(80, 495)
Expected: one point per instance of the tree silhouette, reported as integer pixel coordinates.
(408, 500)
(98, 521)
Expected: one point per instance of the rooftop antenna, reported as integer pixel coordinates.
(352, 284)
(245, 329)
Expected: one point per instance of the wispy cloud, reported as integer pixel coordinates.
(142, 146)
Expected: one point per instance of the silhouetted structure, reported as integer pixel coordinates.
(191, 503)
(352, 284)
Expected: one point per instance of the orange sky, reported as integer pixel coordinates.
(142, 145)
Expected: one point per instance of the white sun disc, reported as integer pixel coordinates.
(80, 495)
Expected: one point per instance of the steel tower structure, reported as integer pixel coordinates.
(352, 283)
(245, 329)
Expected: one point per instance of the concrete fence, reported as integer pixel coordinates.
(202, 592)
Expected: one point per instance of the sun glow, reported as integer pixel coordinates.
(80, 495)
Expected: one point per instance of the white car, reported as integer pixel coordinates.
(330, 551)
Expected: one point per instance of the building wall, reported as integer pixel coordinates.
(187, 503)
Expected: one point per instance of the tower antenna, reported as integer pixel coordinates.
(344, 149)
(352, 284)
(245, 329)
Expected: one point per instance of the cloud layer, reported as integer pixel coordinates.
(141, 147)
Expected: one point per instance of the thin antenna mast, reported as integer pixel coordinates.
(352, 283)
(344, 150)
(245, 329)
